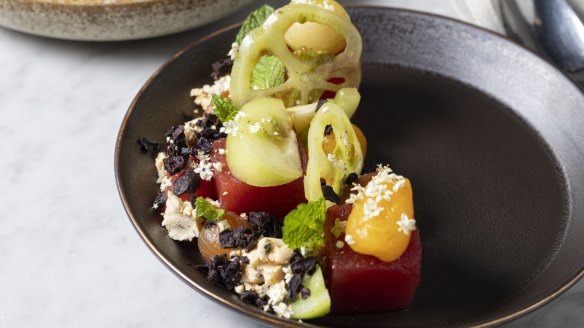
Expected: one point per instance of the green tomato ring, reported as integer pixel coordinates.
(319, 166)
(269, 39)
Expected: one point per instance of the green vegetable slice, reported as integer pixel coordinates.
(347, 98)
(319, 302)
(262, 149)
(305, 82)
(304, 225)
(208, 211)
(334, 166)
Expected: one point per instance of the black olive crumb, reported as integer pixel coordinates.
(319, 104)
(218, 67)
(160, 200)
(187, 183)
(148, 146)
(330, 194)
(265, 224)
(328, 130)
(305, 293)
(351, 178)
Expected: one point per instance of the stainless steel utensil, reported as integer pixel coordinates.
(550, 26)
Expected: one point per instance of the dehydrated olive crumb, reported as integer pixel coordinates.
(328, 130)
(187, 183)
(174, 164)
(305, 293)
(219, 65)
(266, 224)
(319, 104)
(305, 265)
(160, 200)
(330, 194)
(294, 286)
(148, 146)
(352, 177)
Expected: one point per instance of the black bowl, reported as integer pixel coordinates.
(490, 135)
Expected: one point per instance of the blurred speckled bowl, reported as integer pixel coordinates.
(112, 20)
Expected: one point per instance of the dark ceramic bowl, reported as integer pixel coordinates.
(490, 135)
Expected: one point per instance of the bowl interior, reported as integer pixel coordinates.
(496, 190)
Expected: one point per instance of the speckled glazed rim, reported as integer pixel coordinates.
(261, 316)
(94, 20)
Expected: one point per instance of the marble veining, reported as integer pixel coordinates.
(69, 256)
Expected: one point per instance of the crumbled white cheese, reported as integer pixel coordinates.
(204, 96)
(340, 244)
(225, 193)
(223, 225)
(221, 151)
(234, 51)
(180, 220)
(163, 176)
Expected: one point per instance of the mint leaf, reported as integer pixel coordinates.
(269, 72)
(224, 109)
(254, 20)
(204, 209)
(304, 225)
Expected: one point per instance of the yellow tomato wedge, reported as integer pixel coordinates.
(381, 221)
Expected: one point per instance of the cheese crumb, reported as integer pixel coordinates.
(340, 244)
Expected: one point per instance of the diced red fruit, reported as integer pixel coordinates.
(240, 197)
(206, 189)
(361, 283)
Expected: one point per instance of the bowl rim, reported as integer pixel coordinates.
(262, 316)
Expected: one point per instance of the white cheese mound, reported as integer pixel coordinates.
(163, 176)
(204, 96)
(180, 220)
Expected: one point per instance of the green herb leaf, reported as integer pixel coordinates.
(204, 209)
(304, 225)
(269, 72)
(254, 20)
(224, 109)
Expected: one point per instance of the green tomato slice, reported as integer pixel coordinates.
(262, 149)
(344, 159)
(347, 98)
(317, 304)
(306, 80)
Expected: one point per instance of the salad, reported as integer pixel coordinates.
(268, 177)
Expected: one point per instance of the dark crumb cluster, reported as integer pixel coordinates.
(253, 298)
(187, 183)
(268, 225)
(221, 67)
(300, 267)
(330, 195)
(178, 149)
(242, 237)
(328, 130)
(160, 200)
(224, 271)
(147, 146)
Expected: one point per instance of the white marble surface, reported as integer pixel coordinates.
(69, 256)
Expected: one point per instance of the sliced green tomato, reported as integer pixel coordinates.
(347, 98)
(306, 81)
(263, 152)
(333, 167)
(317, 304)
